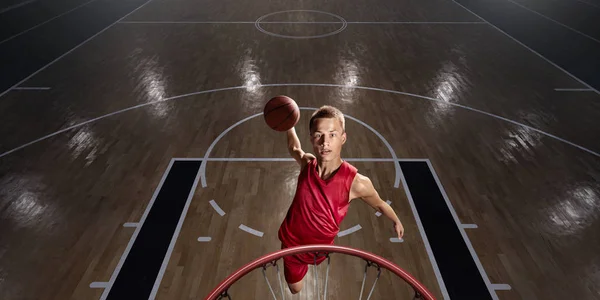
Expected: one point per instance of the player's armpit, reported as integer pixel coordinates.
(296, 153)
(363, 188)
(306, 159)
(301, 157)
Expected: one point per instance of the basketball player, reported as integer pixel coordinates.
(326, 185)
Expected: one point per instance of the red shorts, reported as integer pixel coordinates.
(295, 267)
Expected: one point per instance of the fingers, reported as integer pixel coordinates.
(399, 230)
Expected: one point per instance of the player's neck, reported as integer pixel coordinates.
(327, 168)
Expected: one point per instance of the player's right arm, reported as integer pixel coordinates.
(295, 149)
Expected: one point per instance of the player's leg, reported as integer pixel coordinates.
(294, 271)
(295, 288)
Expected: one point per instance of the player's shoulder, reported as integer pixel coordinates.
(351, 168)
(361, 184)
(306, 159)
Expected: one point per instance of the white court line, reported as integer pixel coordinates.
(469, 226)
(99, 285)
(348, 231)
(212, 145)
(411, 159)
(591, 4)
(187, 158)
(436, 269)
(557, 22)
(216, 207)
(204, 239)
(463, 233)
(163, 267)
(40, 24)
(131, 224)
(31, 88)
(378, 214)
(259, 21)
(574, 90)
(258, 159)
(267, 159)
(186, 22)
(251, 231)
(396, 240)
(419, 22)
(113, 277)
(305, 84)
(300, 22)
(72, 49)
(501, 287)
(15, 6)
(533, 51)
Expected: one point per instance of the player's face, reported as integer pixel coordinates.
(327, 138)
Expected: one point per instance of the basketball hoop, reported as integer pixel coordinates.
(372, 260)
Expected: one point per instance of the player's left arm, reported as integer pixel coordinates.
(363, 188)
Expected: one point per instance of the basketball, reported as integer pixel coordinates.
(281, 113)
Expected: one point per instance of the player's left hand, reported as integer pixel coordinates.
(399, 229)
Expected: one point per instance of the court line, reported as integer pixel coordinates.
(533, 51)
(188, 158)
(72, 49)
(113, 277)
(250, 159)
(557, 22)
(421, 22)
(469, 226)
(269, 159)
(45, 22)
(392, 152)
(212, 145)
(257, 24)
(99, 285)
(163, 267)
(272, 159)
(501, 287)
(251, 230)
(31, 88)
(436, 269)
(302, 84)
(15, 6)
(594, 5)
(482, 272)
(204, 239)
(306, 22)
(186, 22)
(350, 230)
(574, 90)
(216, 207)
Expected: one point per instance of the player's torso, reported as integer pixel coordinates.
(319, 206)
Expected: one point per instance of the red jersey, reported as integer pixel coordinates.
(319, 206)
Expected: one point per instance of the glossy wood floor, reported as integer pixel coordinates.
(64, 198)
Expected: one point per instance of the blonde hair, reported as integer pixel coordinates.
(327, 112)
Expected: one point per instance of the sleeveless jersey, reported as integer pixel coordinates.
(319, 206)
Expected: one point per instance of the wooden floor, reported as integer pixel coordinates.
(514, 156)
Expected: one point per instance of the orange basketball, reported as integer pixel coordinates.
(281, 113)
